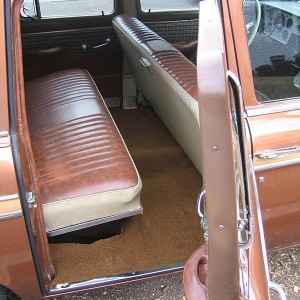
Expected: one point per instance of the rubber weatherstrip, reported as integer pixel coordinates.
(14, 141)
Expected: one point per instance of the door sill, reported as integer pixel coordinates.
(69, 287)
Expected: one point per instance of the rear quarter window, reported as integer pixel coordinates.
(168, 5)
(67, 8)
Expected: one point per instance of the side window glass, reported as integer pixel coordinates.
(66, 8)
(273, 29)
(174, 5)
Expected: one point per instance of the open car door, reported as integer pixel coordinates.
(232, 264)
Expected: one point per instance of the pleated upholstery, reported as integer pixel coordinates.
(169, 58)
(76, 145)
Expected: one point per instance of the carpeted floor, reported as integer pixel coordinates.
(168, 231)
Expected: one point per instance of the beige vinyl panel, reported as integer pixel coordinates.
(177, 109)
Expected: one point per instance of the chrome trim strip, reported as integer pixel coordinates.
(277, 165)
(260, 224)
(114, 279)
(277, 288)
(4, 133)
(9, 197)
(15, 214)
(174, 21)
(273, 107)
(278, 153)
(251, 233)
(94, 222)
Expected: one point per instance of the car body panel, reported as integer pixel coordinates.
(279, 193)
(276, 141)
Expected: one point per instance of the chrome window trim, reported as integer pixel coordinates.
(273, 107)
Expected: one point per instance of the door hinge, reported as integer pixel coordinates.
(31, 197)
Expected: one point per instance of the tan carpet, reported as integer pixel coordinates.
(168, 231)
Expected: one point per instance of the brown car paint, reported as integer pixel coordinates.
(273, 126)
(18, 271)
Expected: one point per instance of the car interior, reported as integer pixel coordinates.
(111, 110)
(112, 113)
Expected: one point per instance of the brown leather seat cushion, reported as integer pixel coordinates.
(78, 150)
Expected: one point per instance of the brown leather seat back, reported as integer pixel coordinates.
(167, 79)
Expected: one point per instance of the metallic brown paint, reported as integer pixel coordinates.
(279, 192)
(17, 271)
(218, 164)
(25, 151)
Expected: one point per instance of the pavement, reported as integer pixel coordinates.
(284, 267)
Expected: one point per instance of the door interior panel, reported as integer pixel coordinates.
(46, 52)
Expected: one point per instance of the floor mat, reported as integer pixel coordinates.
(169, 230)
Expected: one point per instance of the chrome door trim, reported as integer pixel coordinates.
(277, 288)
(114, 279)
(276, 165)
(247, 162)
(273, 107)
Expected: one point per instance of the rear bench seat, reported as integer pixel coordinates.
(167, 79)
(86, 175)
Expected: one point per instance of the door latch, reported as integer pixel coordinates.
(31, 197)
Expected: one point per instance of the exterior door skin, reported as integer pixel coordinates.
(236, 264)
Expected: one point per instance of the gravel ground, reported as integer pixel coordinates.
(284, 270)
(284, 266)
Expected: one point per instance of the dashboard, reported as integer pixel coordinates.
(280, 19)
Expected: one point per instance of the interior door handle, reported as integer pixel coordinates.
(107, 41)
(146, 64)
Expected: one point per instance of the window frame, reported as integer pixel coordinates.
(38, 16)
(29, 25)
(168, 15)
(166, 11)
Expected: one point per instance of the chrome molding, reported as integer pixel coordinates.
(277, 288)
(276, 165)
(250, 232)
(4, 139)
(15, 214)
(260, 224)
(9, 197)
(278, 153)
(4, 133)
(114, 279)
(273, 107)
(94, 222)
